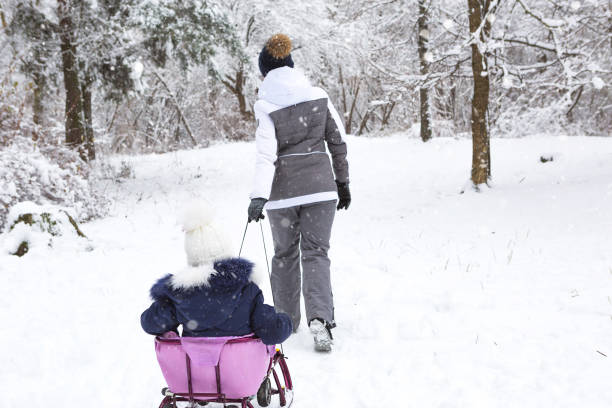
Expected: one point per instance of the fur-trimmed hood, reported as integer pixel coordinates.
(225, 275)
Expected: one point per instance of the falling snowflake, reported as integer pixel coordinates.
(598, 83)
(507, 82)
(137, 69)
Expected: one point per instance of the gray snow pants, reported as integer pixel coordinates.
(306, 229)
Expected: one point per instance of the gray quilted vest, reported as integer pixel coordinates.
(303, 166)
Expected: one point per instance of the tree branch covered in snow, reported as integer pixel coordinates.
(548, 64)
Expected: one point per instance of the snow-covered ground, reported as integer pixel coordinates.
(495, 299)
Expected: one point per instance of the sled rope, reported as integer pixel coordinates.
(265, 253)
(244, 235)
(263, 240)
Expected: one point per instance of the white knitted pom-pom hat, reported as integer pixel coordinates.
(204, 242)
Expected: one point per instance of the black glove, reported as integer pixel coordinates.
(256, 209)
(344, 195)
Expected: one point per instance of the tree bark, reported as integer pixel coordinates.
(39, 90)
(75, 131)
(240, 82)
(236, 86)
(453, 103)
(481, 163)
(2, 18)
(422, 37)
(347, 125)
(89, 132)
(349, 120)
(364, 122)
(386, 114)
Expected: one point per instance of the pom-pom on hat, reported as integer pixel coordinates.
(204, 242)
(275, 54)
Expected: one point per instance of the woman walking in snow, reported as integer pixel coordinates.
(295, 183)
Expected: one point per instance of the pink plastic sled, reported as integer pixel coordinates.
(220, 369)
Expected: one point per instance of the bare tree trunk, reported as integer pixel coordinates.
(453, 103)
(75, 131)
(2, 18)
(349, 120)
(444, 92)
(236, 86)
(354, 87)
(347, 125)
(345, 109)
(423, 35)
(178, 109)
(89, 132)
(481, 164)
(610, 25)
(39, 90)
(38, 100)
(86, 85)
(386, 114)
(240, 82)
(364, 122)
(569, 115)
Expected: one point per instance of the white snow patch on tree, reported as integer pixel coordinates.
(555, 23)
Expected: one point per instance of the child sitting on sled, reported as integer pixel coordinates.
(214, 296)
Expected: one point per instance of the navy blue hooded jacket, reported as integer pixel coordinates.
(214, 303)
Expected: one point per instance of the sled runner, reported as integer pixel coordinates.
(226, 370)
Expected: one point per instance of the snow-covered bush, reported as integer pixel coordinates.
(46, 175)
(117, 172)
(30, 225)
(521, 121)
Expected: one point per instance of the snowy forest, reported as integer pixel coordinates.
(470, 123)
(107, 77)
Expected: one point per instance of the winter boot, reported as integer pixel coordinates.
(321, 330)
